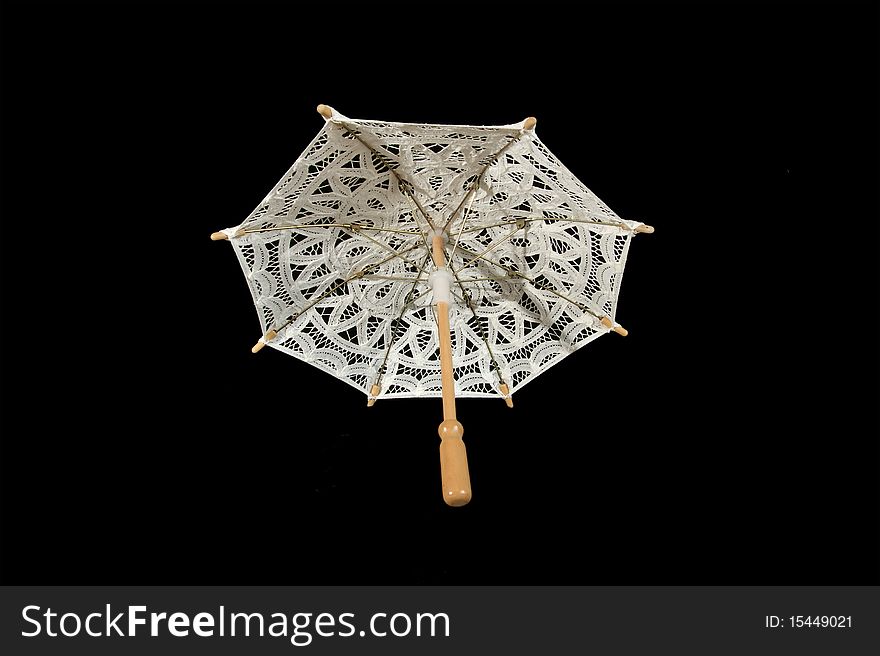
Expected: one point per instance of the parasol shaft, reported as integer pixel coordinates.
(437, 251)
(453, 455)
(446, 377)
(448, 381)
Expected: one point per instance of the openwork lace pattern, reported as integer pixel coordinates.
(337, 256)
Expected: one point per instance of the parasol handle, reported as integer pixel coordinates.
(453, 455)
(453, 464)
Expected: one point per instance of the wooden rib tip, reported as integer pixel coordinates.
(219, 236)
(326, 111)
(268, 337)
(620, 330)
(509, 401)
(530, 123)
(648, 230)
(605, 321)
(505, 393)
(374, 392)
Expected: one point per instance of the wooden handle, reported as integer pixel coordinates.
(453, 456)
(437, 253)
(446, 377)
(453, 464)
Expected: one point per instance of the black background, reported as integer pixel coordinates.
(731, 438)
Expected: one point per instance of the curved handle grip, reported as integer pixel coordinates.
(454, 465)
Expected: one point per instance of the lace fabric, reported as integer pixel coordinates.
(337, 256)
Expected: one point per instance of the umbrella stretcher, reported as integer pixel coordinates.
(420, 260)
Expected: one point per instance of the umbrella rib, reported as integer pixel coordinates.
(350, 226)
(516, 274)
(622, 226)
(359, 274)
(402, 183)
(490, 248)
(415, 201)
(383, 245)
(493, 160)
(614, 224)
(479, 178)
(460, 231)
(495, 278)
(467, 299)
(400, 317)
(422, 295)
(374, 277)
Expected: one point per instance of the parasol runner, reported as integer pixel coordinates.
(414, 260)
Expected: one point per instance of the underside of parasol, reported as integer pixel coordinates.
(432, 260)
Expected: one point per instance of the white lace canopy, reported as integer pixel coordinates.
(337, 256)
